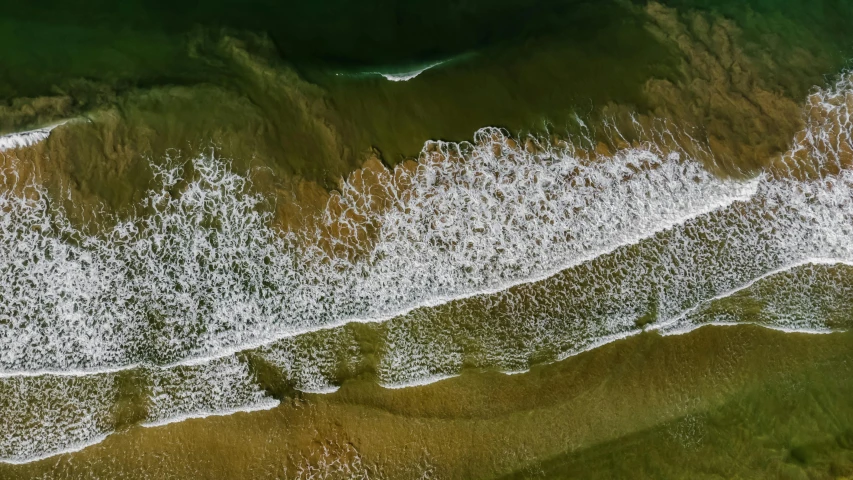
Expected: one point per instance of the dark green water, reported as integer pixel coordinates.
(281, 79)
(519, 67)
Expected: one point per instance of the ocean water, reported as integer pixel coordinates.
(221, 232)
(487, 254)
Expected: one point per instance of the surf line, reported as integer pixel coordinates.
(663, 326)
(267, 404)
(670, 327)
(690, 327)
(270, 403)
(745, 193)
(406, 76)
(601, 341)
(76, 447)
(28, 138)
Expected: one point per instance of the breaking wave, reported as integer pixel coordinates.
(487, 253)
(406, 76)
(25, 139)
(202, 273)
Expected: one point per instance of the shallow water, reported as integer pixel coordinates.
(227, 241)
(765, 403)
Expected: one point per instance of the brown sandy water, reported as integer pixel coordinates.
(764, 402)
(739, 90)
(721, 84)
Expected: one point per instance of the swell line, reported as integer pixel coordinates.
(71, 449)
(27, 138)
(268, 404)
(748, 190)
(729, 293)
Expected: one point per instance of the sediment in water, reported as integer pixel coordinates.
(445, 311)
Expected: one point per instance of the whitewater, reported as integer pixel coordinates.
(517, 250)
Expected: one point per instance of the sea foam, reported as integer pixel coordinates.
(515, 250)
(202, 274)
(25, 139)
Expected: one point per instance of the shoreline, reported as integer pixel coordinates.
(475, 378)
(431, 303)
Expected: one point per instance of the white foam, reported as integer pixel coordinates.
(310, 362)
(221, 387)
(71, 448)
(665, 325)
(406, 76)
(482, 227)
(418, 382)
(265, 404)
(784, 225)
(26, 139)
(43, 417)
(203, 275)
